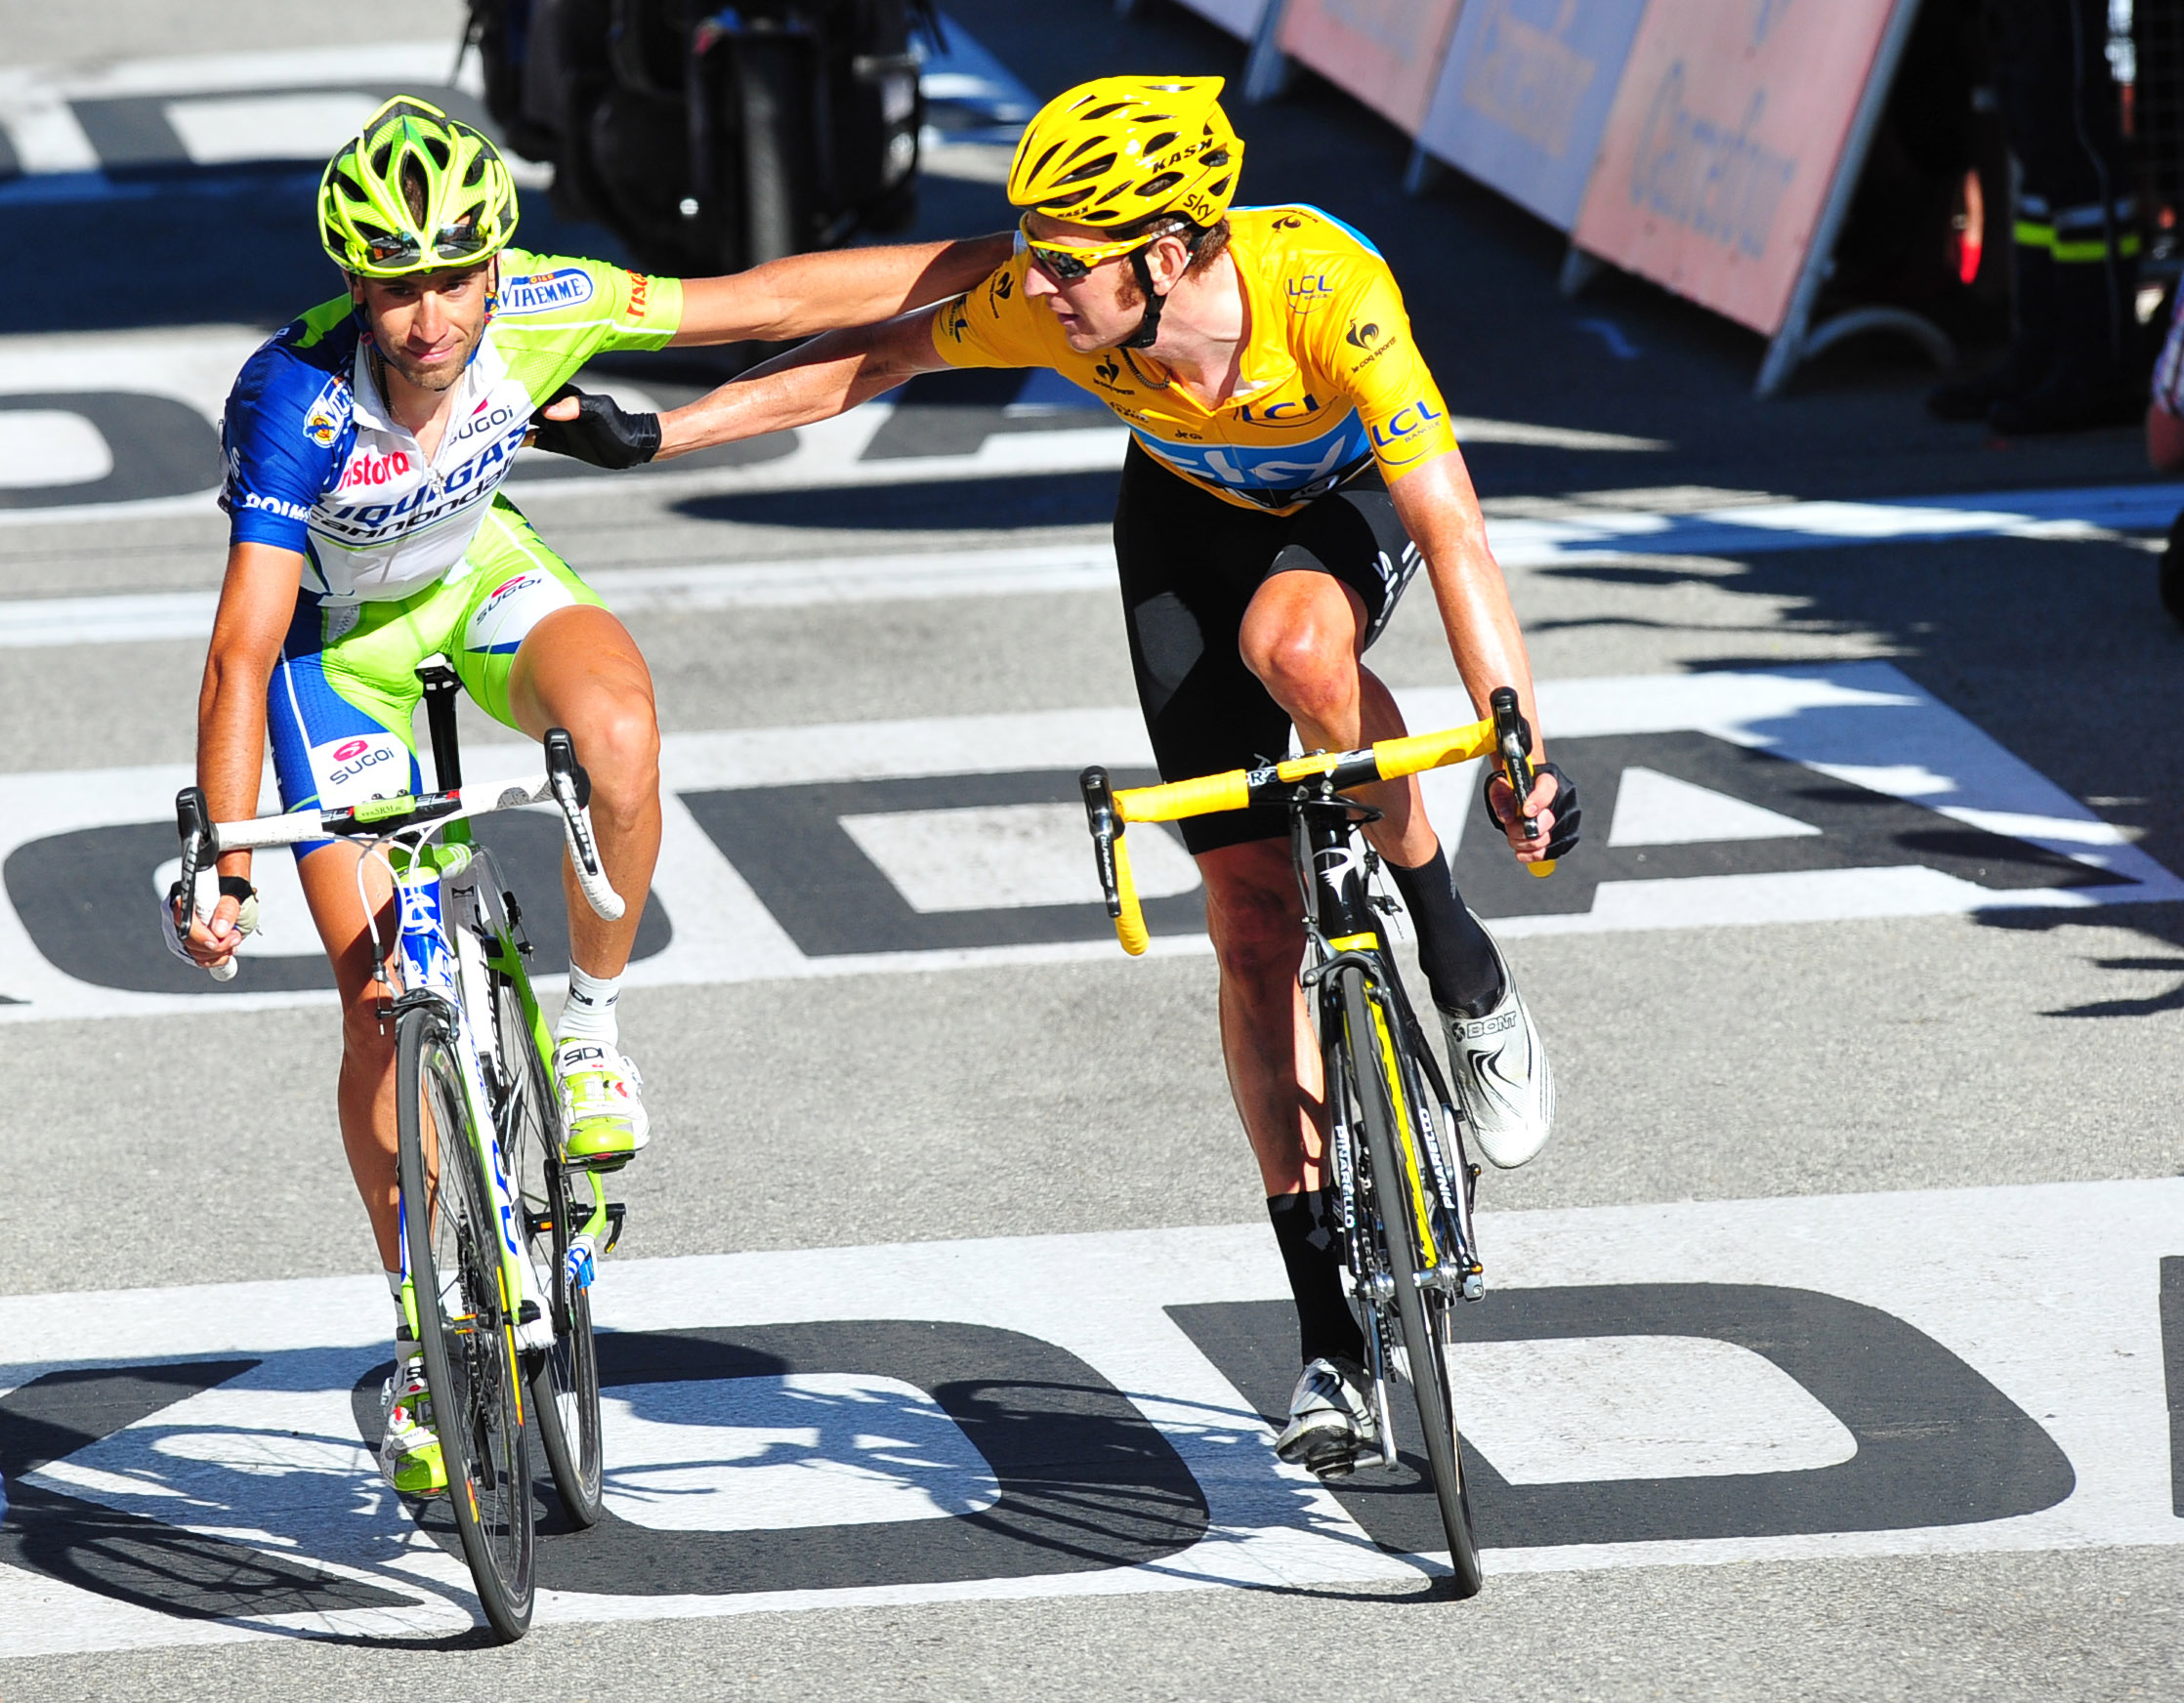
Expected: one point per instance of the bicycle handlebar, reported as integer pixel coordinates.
(1107, 811)
(565, 783)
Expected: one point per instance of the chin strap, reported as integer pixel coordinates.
(1148, 328)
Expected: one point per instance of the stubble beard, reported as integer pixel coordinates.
(429, 379)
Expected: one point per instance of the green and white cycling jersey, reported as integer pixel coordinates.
(316, 464)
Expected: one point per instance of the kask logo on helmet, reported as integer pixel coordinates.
(1168, 161)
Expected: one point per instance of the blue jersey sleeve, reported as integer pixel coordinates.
(286, 430)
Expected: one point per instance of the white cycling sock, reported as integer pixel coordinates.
(401, 1318)
(589, 1012)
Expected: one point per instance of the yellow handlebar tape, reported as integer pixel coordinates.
(1177, 799)
(1129, 927)
(1421, 750)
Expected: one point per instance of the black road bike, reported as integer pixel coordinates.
(1394, 1139)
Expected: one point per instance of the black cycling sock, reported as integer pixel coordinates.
(1304, 1229)
(1452, 948)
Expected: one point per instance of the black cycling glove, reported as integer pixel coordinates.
(1563, 805)
(602, 434)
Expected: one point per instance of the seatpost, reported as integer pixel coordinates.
(441, 687)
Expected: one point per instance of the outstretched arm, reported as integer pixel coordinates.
(807, 293)
(1440, 510)
(823, 378)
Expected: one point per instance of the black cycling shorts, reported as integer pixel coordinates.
(1190, 564)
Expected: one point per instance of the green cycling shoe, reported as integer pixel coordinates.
(603, 1103)
(409, 1457)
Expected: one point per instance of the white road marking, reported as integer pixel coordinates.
(48, 446)
(1865, 721)
(1475, 428)
(261, 127)
(1005, 856)
(795, 582)
(1039, 569)
(2048, 1293)
(1652, 809)
(1579, 1409)
(770, 1454)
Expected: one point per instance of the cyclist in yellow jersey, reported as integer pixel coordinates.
(1290, 446)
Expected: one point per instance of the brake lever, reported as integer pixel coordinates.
(193, 824)
(1513, 741)
(1099, 813)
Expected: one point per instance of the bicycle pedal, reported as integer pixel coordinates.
(528, 1314)
(616, 1212)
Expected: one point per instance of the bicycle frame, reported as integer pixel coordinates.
(1342, 927)
(455, 926)
(444, 961)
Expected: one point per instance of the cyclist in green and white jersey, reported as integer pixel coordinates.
(366, 444)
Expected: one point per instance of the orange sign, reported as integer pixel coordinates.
(1725, 135)
(1387, 53)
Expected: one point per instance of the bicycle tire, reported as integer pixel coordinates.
(1421, 1314)
(563, 1378)
(774, 87)
(463, 1330)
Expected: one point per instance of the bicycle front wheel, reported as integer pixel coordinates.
(565, 1378)
(464, 1330)
(1392, 1132)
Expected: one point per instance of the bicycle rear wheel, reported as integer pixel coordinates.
(1391, 1127)
(452, 1225)
(565, 1378)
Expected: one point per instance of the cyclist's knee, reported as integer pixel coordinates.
(366, 1037)
(621, 747)
(1309, 668)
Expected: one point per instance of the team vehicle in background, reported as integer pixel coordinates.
(712, 138)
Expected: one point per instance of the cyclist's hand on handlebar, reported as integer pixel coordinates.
(594, 428)
(211, 941)
(1553, 805)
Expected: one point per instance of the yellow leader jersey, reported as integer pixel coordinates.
(1330, 377)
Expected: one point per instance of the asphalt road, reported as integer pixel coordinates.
(1870, 998)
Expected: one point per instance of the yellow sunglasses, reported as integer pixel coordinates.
(1068, 264)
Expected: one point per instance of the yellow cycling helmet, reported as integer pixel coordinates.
(364, 217)
(1124, 148)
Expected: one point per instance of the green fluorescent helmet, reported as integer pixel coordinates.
(364, 217)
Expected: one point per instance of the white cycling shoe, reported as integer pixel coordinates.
(1502, 1078)
(602, 1100)
(409, 1454)
(1330, 1420)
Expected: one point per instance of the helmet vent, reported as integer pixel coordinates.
(1091, 168)
(1160, 185)
(1155, 144)
(1106, 111)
